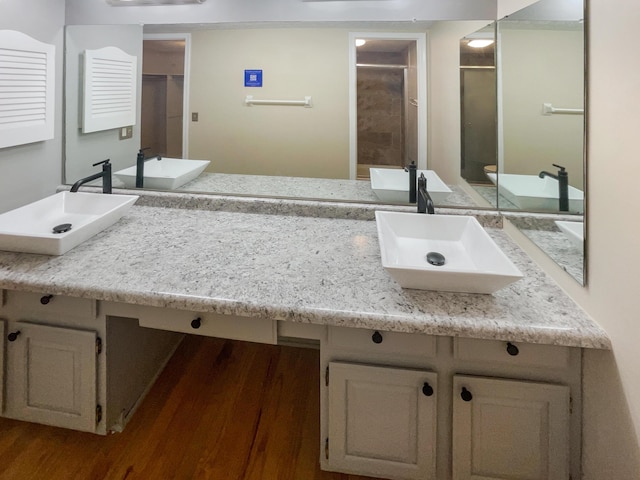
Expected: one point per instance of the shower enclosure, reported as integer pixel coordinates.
(387, 126)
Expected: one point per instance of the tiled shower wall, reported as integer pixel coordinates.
(381, 135)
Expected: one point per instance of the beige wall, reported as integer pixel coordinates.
(611, 388)
(271, 140)
(542, 66)
(443, 140)
(614, 232)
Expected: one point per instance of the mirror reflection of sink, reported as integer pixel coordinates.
(530, 192)
(473, 263)
(391, 185)
(574, 231)
(76, 216)
(165, 174)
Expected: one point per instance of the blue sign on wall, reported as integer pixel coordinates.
(253, 78)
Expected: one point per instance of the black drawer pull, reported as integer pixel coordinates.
(13, 336)
(376, 337)
(512, 349)
(44, 300)
(466, 395)
(196, 323)
(427, 390)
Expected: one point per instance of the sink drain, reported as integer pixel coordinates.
(435, 258)
(62, 228)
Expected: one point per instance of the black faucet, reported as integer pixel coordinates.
(140, 159)
(105, 174)
(563, 186)
(412, 169)
(425, 203)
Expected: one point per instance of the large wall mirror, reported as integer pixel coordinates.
(364, 121)
(525, 80)
(194, 82)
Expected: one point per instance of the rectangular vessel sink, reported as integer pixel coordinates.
(473, 263)
(165, 174)
(29, 229)
(391, 185)
(530, 192)
(574, 231)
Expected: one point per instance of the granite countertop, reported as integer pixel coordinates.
(296, 187)
(544, 232)
(296, 268)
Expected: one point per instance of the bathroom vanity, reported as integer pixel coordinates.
(414, 384)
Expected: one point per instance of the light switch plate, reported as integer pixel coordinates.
(125, 132)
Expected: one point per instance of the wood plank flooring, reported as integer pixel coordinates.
(220, 410)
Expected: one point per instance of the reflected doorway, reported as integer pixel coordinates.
(478, 101)
(387, 113)
(164, 65)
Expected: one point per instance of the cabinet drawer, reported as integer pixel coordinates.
(375, 341)
(511, 353)
(222, 326)
(308, 331)
(43, 306)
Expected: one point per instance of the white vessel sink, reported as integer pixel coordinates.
(530, 192)
(574, 231)
(29, 229)
(473, 263)
(165, 174)
(391, 185)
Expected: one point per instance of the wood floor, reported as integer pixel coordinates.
(220, 410)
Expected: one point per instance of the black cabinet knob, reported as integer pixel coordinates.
(196, 323)
(13, 335)
(44, 300)
(376, 337)
(512, 349)
(466, 395)
(427, 390)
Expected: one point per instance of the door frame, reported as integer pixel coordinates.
(187, 71)
(421, 59)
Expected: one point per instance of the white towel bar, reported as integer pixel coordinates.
(250, 101)
(548, 109)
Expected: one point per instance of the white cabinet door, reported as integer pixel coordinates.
(51, 375)
(382, 421)
(508, 429)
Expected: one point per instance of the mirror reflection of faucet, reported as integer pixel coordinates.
(412, 169)
(105, 174)
(425, 203)
(140, 159)
(563, 186)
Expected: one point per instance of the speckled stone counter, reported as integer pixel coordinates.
(545, 233)
(281, 206)
(297, 187)
(295, 268)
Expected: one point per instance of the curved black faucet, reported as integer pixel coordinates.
(563, 186)
(105, 174)
(140, 159)
(425, 203)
